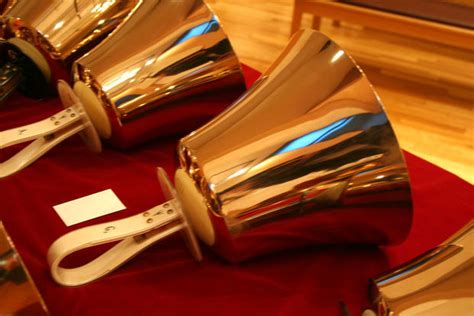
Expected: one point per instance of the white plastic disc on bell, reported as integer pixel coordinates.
(94, 108)
(89, 134)
(194, 206)
(32, 53)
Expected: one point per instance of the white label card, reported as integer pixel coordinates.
(89, 207)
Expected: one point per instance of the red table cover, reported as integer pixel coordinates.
(164, 280)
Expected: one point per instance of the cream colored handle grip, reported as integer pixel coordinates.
(45, 135)
(43, 128)
(136, 234)
(49, 132)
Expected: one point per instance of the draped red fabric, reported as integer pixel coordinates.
(164, 280)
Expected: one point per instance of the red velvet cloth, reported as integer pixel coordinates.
(164, 280)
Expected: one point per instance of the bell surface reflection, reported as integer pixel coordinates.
(140, 84)
(306, 156)
(48, 36)
(139, 78)
(437, 283)
(64, 29)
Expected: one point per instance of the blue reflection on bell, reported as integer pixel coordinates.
(166, 70)
(306, 156)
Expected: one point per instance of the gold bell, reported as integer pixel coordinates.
(306, 156)
(167, 69)
(136, 83)
(439, 282)
(42, 38)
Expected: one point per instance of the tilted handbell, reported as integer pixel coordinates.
(437, 283)
(42, 38)
(147, 79)
(308, 153)
(306, 156)
(137, 80)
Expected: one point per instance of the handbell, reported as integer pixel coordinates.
(439, 282)
(147, 79)
(167, 51)
(42, 38)
(306, 156)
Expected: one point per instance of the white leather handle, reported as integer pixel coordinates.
(136, 234)
(48, 133)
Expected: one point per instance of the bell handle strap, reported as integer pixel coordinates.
(44, 135)
(134, 234)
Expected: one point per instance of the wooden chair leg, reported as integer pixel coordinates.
(316, 22)
(297, 17)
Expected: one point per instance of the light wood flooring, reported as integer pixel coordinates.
(427, 88)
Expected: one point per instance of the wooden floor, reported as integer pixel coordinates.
(427, 88)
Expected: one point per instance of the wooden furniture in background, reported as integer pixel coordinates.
(404, 51)
(422, 28)
(434, 121)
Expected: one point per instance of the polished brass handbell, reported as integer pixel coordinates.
(307, 156)
(437, 283)
(42, 38)
(166, 52)
(167, 69)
